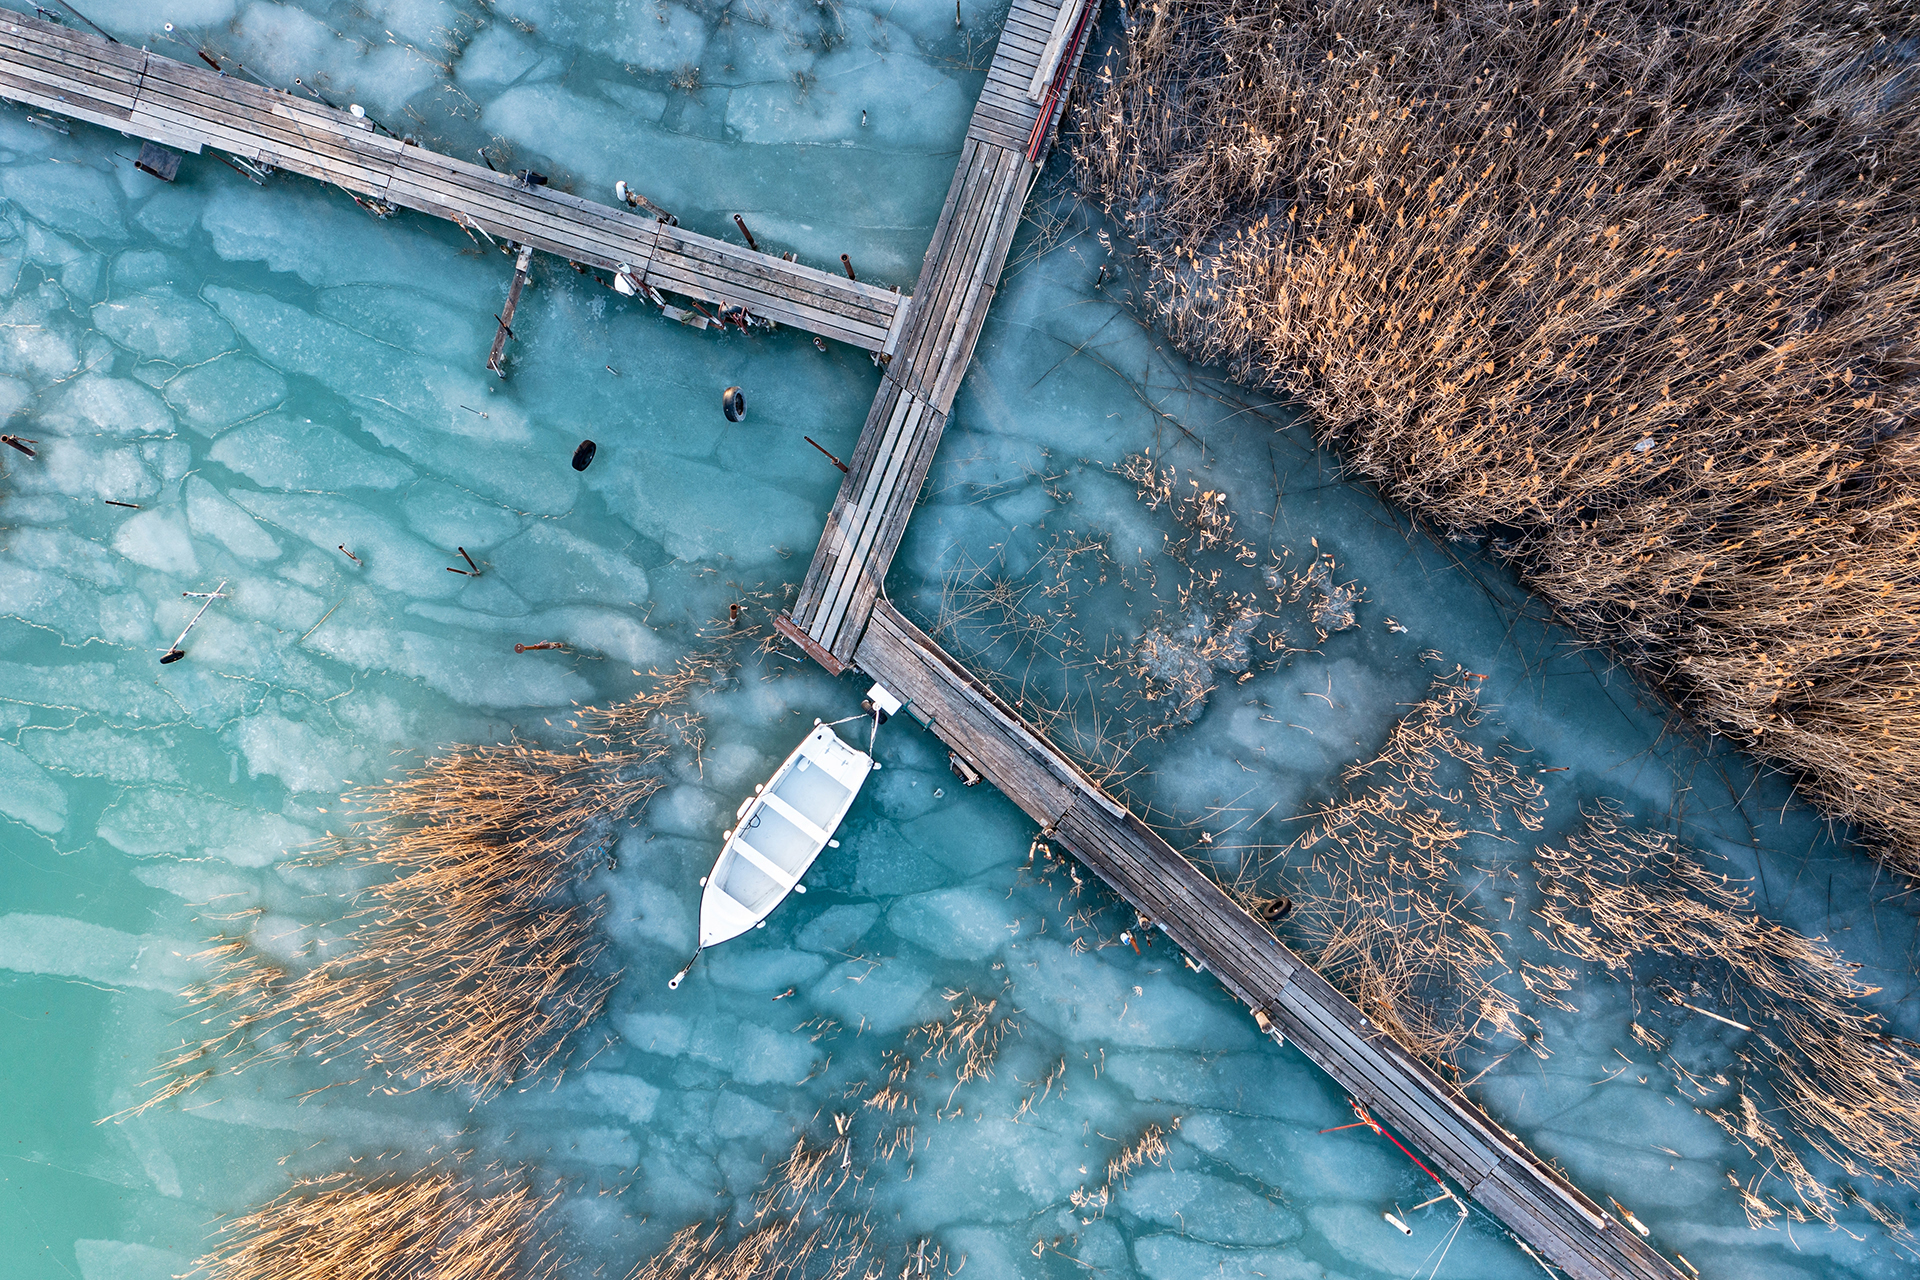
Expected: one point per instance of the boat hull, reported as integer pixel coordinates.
(782, 828)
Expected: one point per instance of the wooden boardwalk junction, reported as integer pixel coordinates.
(178, 105)
(1006, 140)
(840, 617)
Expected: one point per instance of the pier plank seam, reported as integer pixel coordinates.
(85, 77)
(1488, 1163)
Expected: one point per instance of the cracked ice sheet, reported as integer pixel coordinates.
(376, 330)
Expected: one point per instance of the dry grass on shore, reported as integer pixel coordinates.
(1630, 286)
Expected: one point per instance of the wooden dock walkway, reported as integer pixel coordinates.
(174, 104)
(1006, 142)
(1489, 1164)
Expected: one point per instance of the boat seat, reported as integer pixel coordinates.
(773, 870)
(808, 827)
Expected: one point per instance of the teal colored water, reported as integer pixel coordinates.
(270, 373)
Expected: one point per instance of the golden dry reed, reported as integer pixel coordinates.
(1649, 909)
(794, 1233)
(479, 960)
(1387, 913)
(434, 1227)
(1630, 285)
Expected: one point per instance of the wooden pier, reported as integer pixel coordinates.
(1006, 141)
(175, 104)
(840, 616)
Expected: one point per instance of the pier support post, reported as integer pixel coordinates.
(496, 357)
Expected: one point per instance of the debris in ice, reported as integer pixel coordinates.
(1330, 604)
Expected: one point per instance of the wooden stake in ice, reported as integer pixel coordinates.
(175, 653)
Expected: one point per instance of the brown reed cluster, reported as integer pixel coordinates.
(1216, 611)
(1149, 1148)
(478, 961)
(797, 1231)
(970, 1034)
(1627, 285)
(1386, 911)
(435, 1227)
(1650, 910)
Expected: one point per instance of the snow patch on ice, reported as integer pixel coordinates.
(282, 452)
(95, 405)
(627, 1096)
(159, 540)
(960, 924)
(838, 927)
(162, 325)
(146, 823)
(74, 197)
(123, 1260)
(210, 515)
(29, 793)
(301, 755)
(227, 390)
(58, 947)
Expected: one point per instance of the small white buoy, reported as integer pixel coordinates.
(357, 111)
(799, 888)
(763, 924)
(1404, 1229)
(703, 882)
(620, 190)
(167, 27)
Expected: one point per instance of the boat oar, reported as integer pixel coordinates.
(673, 983)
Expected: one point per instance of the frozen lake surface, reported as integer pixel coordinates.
(267, 373)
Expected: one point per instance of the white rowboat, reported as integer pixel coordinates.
(782, 828)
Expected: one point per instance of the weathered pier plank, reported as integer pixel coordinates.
(1486, 1162)
(186, 107)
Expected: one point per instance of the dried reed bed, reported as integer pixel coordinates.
(1386, 911)
(435, 1227)
(1629, 285)
(1650, 910)
(478, 960)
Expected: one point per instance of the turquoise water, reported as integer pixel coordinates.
(270, 373)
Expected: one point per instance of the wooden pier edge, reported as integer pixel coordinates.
(812, 648)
